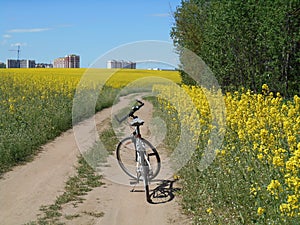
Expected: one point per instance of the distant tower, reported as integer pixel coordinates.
(17, 65)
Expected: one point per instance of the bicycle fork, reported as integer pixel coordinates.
(143, 166)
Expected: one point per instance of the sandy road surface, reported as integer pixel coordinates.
(25, 189)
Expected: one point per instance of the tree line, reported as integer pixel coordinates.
(245, 43)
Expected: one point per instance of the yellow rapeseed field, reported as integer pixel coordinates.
(257, 169)
(255, 177)
(36, 104)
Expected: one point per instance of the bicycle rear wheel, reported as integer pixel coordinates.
(126, 155)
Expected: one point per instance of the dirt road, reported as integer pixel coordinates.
(27, 187)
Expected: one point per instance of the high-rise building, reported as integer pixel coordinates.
(69, 61)
(23, 63)
(112, 64)
(72, 61)
(12, 63)
(26, 63)
(59, 62)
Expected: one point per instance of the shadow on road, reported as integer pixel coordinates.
(163, 193)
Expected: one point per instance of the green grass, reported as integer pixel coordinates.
(71, 217)
(38, 121)
(106, 145)
(94, 214)
(79, 185)
(76, 188)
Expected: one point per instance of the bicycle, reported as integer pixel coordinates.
(137, 157)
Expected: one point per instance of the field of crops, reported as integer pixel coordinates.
(255, 177)
(36, 104)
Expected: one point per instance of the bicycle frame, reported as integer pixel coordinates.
(143, 150)
(141, 156)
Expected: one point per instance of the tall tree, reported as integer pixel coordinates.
(245, 43)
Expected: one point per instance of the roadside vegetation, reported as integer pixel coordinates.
(252, 48)
(254, 178)
(75, 189)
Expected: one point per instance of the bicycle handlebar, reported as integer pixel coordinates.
(132, 111)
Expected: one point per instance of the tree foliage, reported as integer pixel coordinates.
(245, 43)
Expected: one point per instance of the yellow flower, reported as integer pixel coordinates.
(293, 164)
(209, 210)
(176, 177)
(253, 191)
(223, 152)
(260, 211)
(265, 88)
(285, 208)
(11, 108)
(274, 187)
(278, 161)
(249, 168)
(259, 126)
(292, 199)
(260, 156)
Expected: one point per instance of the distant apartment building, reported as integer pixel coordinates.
(113, 64)
(12, 63)
(72, 61)
(43, 65)
(59, 62)
(69, 61)
(23, 63)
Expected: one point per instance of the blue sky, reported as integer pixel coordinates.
(46, 30)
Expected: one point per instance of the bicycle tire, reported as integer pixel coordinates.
(126, 155)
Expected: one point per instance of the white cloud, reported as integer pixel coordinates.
(6, 36)
(18, 44)
(30, 30)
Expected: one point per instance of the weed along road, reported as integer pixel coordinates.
(28, 187)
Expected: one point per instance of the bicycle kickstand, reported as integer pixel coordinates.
(135, 182)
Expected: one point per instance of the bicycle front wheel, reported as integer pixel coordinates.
(145, 175)
(126, 155)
